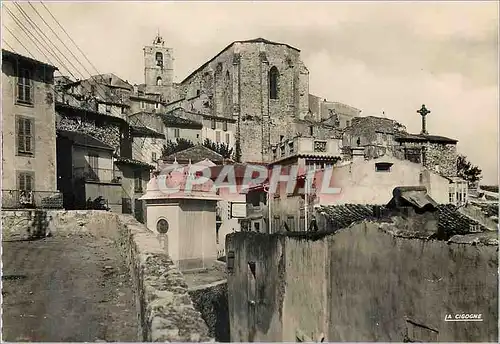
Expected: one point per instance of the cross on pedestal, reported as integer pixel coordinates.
(423, 112)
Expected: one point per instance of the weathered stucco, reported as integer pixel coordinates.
(368, 282)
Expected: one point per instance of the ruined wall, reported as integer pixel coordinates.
(378, 280)
(165, 312)
(444, 156)
(370, 282)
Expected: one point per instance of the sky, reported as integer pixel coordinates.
(385, 58)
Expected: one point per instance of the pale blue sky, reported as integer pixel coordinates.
(377, 56)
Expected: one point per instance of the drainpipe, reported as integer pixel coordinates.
(306, 203)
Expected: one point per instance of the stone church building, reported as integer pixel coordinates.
(254, 94)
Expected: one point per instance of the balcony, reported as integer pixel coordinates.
(305, 146)
(97, 175)
(21, 199)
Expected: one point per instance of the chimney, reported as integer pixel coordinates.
(358, 154)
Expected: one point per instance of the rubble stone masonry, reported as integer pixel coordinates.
(107, 133)
(237, 80)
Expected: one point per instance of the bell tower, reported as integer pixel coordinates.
(159, 69)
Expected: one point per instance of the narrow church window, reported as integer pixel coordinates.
(197, 92)
(311, 130)
(159, 59)
(273, 83)
(158, 81)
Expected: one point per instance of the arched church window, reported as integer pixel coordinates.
(273, 83)
(158, 81)
(162, 226)
(159, 59)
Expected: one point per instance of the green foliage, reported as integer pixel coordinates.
(221, 148)
(173, 147)
(467, 171)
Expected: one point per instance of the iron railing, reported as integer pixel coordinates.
(103, 175)
(21, 199)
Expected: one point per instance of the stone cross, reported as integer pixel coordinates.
(423, 112)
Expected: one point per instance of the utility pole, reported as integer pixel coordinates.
(267, 190)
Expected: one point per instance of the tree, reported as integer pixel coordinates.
(467, 171)
(221, 148)
(176, 146)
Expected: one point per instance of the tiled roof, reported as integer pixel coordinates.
(450, 220)
(6, 54)
(424, 138)
(135, 162)
(81, 139)
(174, 121)
(453, 222)
(195, 154)
(145, 132)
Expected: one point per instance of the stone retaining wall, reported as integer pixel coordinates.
(211, 301)
(164, 308)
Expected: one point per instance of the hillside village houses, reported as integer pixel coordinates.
(253, 96)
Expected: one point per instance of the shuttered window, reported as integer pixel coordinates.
(26, 181)
(25, 135)
(24, 87)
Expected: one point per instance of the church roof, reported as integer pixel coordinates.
(254, 40)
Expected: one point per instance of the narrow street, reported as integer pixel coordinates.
(70, 289)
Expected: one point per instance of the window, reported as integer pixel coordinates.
(123, 109)
(93, 167)
(197, 92)
(162, 226)
(158, 81)
(290, 146)
(224, 126)
(108, 108)
(137, 181)
(143, 105)
(26, 181)
(311, 130)
(290, 221)
(176, 133)
(159, 59)
(217, 136)
(275, 153)
(24, 87)
(25, 136)
(213, 123)
(273, 83)
(228, 138)
(256, 226)
(281, 138)
(383, 167)
(153, 157)
(157, 105)
(347, 123)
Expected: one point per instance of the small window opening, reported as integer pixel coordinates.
(273, 83)
(383, 167)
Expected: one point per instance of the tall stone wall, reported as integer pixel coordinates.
(237, 82)
(375, 280)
